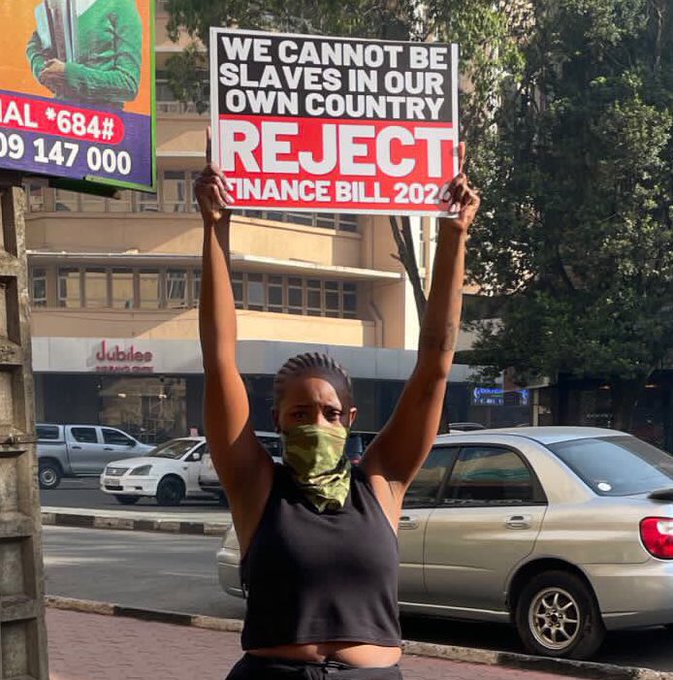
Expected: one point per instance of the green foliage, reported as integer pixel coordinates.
(577, 174)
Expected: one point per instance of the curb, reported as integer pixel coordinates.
(576, 669)
(173, 526)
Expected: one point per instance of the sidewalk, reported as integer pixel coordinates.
(95, 647)
(202, 523)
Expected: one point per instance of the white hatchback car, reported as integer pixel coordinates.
(169, 473)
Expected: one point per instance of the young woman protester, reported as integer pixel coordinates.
(319, 537)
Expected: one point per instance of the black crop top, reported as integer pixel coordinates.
(321, 577)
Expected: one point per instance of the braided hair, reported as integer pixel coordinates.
(316, 364)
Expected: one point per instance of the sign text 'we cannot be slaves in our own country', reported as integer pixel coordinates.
(330, 124)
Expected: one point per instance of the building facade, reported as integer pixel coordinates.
(115, 287)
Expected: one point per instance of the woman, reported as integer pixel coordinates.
(318, 537)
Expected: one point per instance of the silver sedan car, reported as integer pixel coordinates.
(565, 532)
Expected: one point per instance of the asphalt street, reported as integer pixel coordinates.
(85, 493)
(178, 573)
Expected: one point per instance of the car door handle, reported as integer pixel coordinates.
(108, 448)
(407, 522)
(75, 447)
(519, 522)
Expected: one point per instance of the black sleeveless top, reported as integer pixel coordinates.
(321, 577)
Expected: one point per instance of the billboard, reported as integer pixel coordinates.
(77, 90)
(326, 124)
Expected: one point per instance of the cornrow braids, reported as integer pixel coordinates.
(309, 363)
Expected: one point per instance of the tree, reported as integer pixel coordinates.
(576, 231)
(487, 32)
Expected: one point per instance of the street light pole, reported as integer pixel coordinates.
(23, 639)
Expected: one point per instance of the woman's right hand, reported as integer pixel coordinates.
(212, 191)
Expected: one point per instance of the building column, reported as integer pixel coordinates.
(23, 642)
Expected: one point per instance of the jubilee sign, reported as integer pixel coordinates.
(334, 125)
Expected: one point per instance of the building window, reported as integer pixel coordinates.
(332, 299)
(95, 288)
(295, 296)
(147, 202)
(255, 292)
(196, 287)
(338, 222)
(38, 276)
(276, 292)
(122, 289)
(350, 302)
(174, 191)
(69, 292)
(34, 196)
(237, 287)
(314, 297)
(176, 288)
(149, 286)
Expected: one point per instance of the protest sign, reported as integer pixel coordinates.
(327, 124)
(77, 90)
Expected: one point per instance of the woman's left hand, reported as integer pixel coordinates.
(459, 199)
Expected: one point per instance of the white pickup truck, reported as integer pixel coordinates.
(80, 451)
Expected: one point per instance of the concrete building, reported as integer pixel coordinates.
(115, 285)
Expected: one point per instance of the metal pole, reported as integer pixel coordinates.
(23, 640)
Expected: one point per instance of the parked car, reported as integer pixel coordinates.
(169, 473)
(209, 482)
(80, 451)
(564, 532)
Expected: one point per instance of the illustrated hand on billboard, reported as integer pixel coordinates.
(53, 75)
(212, 189)
(458, 200)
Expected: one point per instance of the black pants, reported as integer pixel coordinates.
(259, 668)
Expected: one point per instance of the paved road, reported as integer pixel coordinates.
(178, 573)
(84, 493)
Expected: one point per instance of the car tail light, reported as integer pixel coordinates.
(657, 536)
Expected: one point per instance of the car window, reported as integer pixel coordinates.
(116, 437)
(489, 475)
(175, 449)
(85, 435)
(617, 466)
(271, 444)
(424, 489)
(47, 432)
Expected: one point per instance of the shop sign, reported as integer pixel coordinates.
(118, 359)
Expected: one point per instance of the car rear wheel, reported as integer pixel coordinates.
(557, 615)
(170, 491)
(127, 500)
(49, 475)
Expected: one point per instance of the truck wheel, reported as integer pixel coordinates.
(170, 491)
(48, 474)
(557, 615)
(127, 500)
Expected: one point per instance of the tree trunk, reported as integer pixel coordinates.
(406, 254)
(625, 395)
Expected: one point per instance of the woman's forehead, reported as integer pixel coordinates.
(311, 389)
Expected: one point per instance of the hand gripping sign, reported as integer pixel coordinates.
(326, 124)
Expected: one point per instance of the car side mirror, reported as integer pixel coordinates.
(133, 444)
(196, 457)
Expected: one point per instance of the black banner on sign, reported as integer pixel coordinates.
(333, 124)
(299, 76)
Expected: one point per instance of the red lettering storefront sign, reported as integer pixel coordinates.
(117, 359)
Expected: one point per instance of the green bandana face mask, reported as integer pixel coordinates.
(316, 456)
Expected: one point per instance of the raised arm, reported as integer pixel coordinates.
(394, 457)
(244, 467)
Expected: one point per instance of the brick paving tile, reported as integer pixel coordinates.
(94, 647)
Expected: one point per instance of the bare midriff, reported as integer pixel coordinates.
(351, 653)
